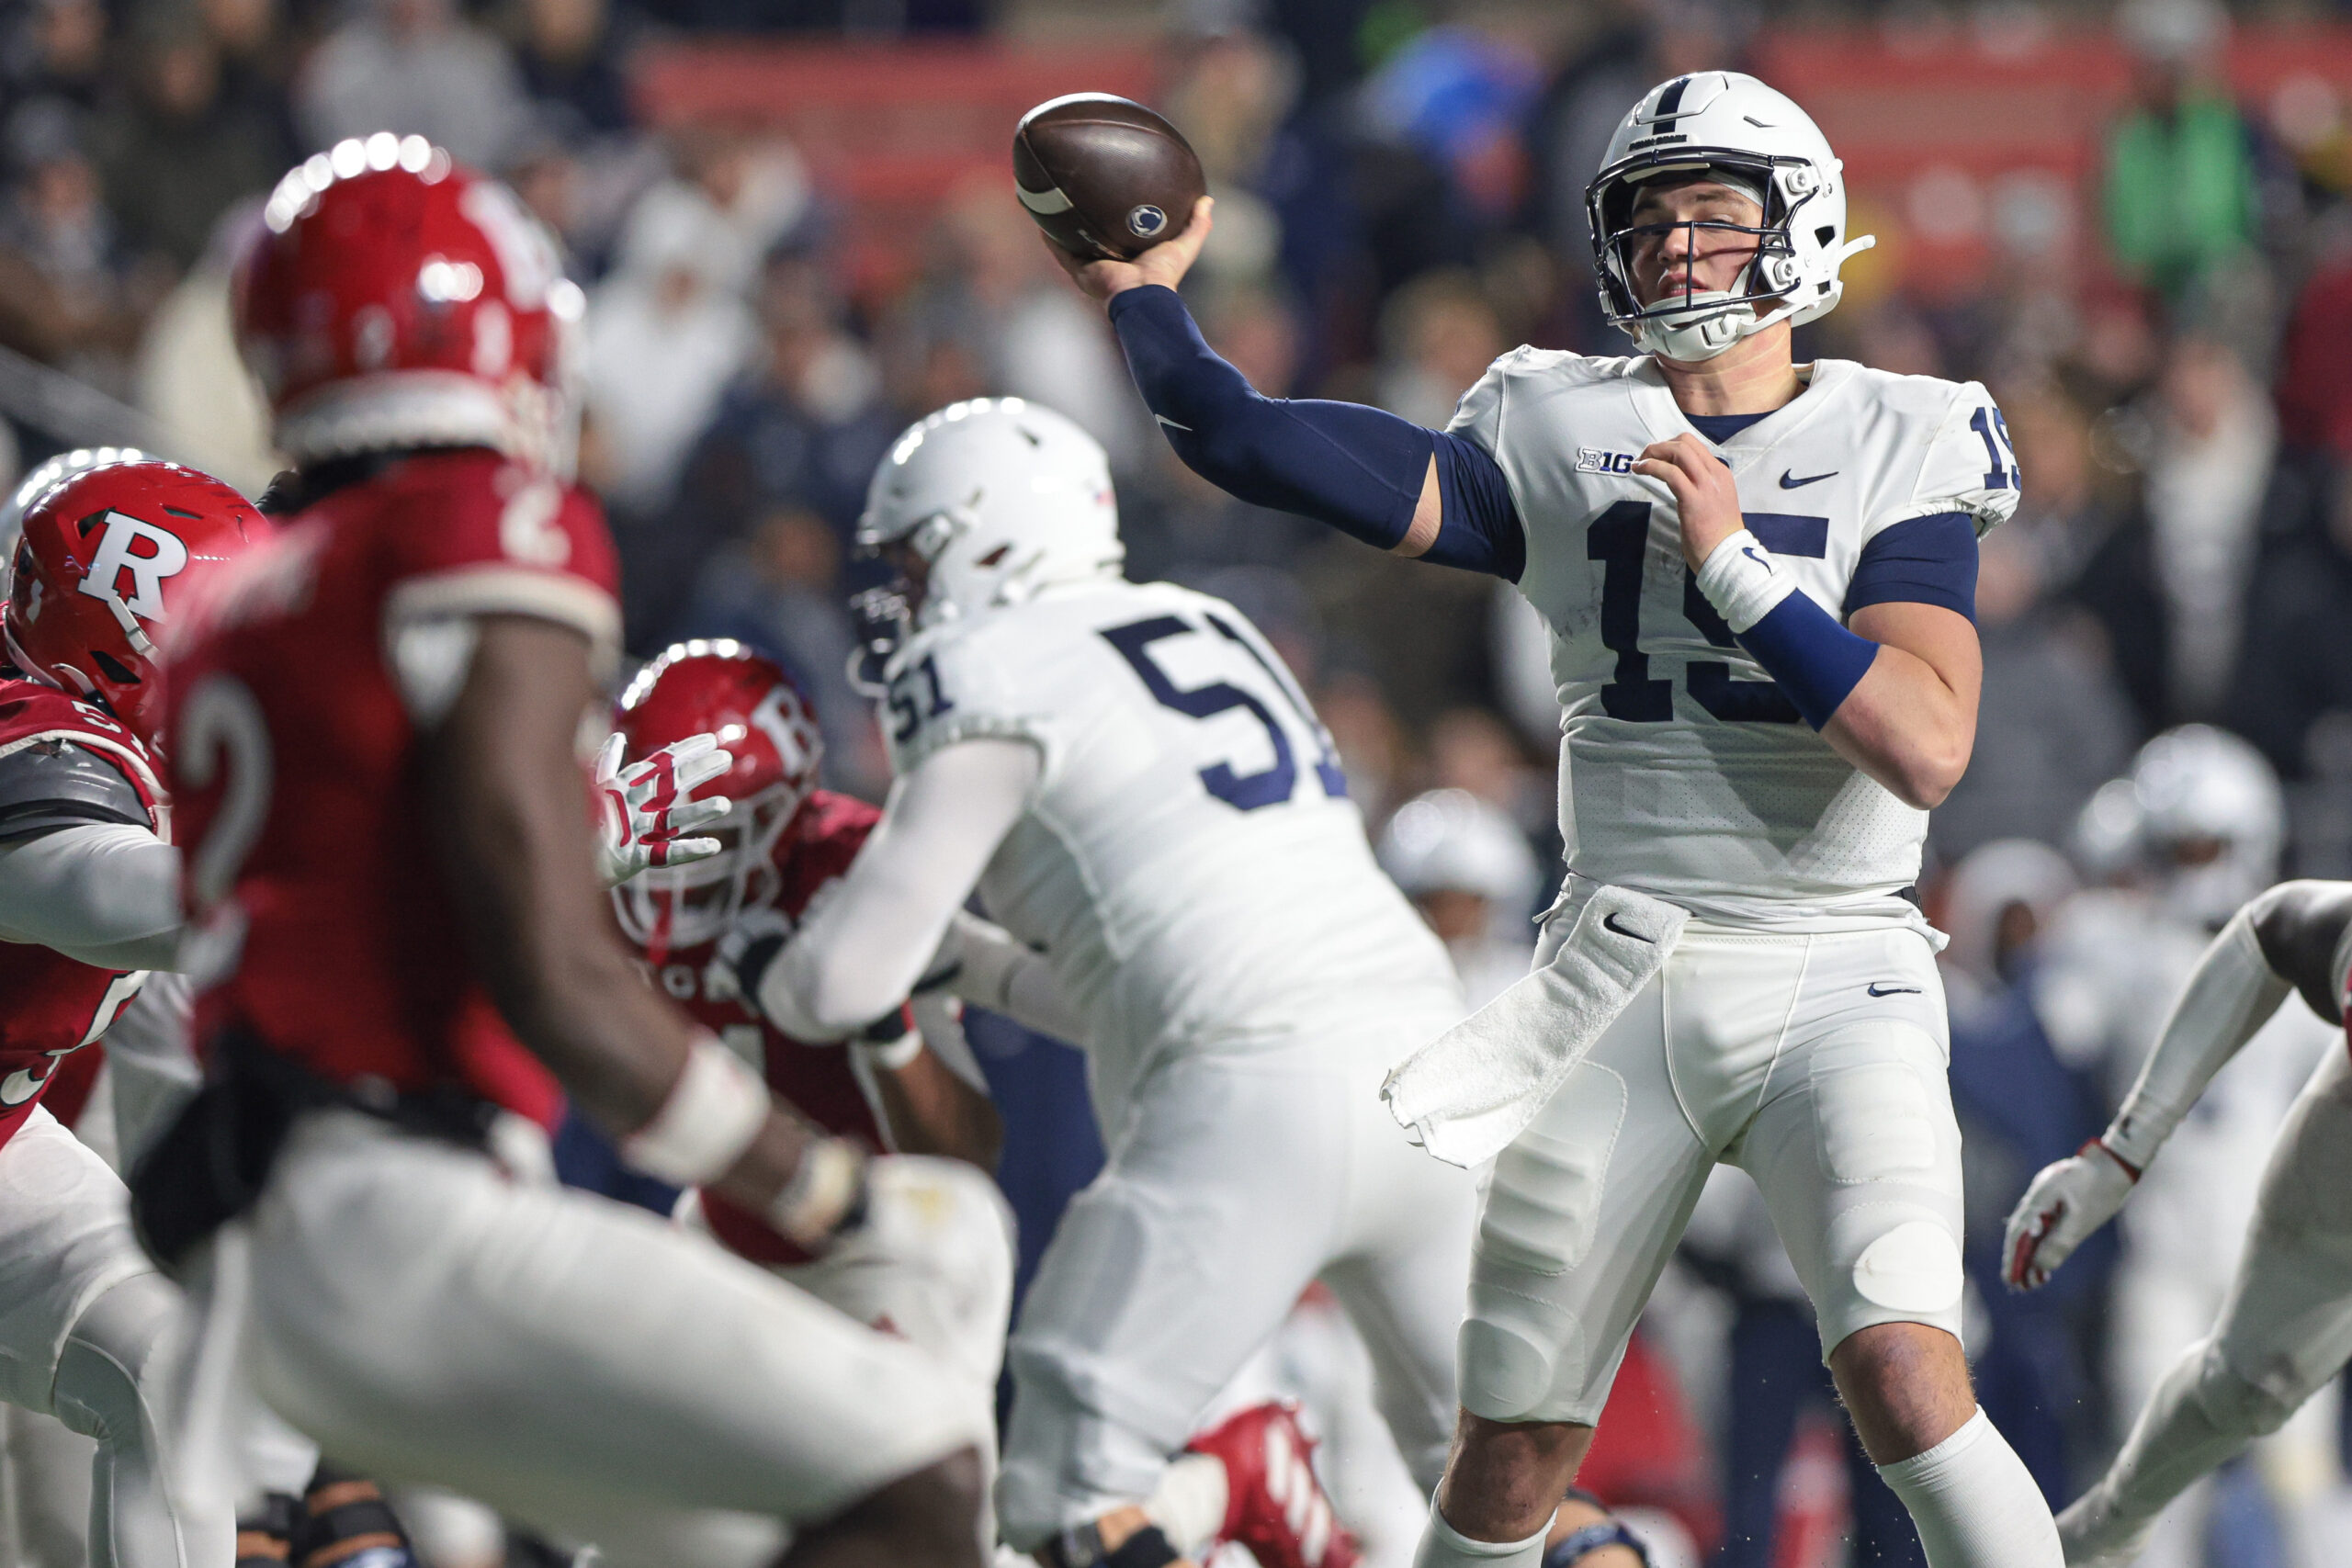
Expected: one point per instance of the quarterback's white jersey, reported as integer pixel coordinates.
(1190, 864)
(1684, 772)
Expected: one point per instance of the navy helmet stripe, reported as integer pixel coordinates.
(1670, 99)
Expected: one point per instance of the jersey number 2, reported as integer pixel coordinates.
(1243, 792)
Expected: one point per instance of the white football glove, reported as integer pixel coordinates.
(943, 1220)
(645, 807)
(2067, 1202)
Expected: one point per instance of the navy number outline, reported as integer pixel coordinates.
(1995, 430)
(1619, 538)
(1243, 792)
(911, 709)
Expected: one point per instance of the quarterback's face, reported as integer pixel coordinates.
(1683, 254)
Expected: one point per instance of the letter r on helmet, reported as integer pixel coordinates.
(147, 553)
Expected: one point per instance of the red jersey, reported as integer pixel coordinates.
(51, 1006)
(326, 933)
(815, 848)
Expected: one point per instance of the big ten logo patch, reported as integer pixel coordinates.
(1589, 461)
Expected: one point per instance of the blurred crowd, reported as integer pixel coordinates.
(1400, 199)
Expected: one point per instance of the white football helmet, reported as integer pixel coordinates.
(1449, 840)
(1753, 137)
(2213, 818)
(998, 498)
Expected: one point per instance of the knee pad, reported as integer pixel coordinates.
(2235, 1404)
(113, 1358)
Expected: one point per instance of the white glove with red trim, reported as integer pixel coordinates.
(644, 808)
(2067, 1202)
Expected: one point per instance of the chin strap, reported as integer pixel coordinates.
(1573, 1549)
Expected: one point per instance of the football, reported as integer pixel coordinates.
(1104, 176)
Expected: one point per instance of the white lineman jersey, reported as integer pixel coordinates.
(1684, 772)
(1191, 864)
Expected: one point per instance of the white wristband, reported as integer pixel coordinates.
(889, 1055)
(1743, 581)
(714, 1110)
(821, 1193)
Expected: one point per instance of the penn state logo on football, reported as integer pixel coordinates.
(1145, 222)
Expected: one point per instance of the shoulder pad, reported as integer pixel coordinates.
(46, 784)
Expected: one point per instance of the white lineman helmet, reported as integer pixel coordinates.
(999, 498)
(2211, 810)
(1449, 840)
(1749, 135)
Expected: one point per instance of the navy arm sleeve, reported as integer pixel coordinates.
(1357, 468)
(1922, 560)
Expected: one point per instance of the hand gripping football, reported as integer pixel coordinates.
(1104, 177)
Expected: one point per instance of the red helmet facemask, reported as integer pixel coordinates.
(759, 712)
(106, 560)
(394, 300)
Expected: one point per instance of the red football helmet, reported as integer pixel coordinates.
(105, 555)
(759, 712)
(394, 300)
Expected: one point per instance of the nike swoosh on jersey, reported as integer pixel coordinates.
(1789, 481)
(1878, 990)
(1610, 923)
(1172, 425)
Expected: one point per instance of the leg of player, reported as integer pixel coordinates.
(2285, 1331)
(110, 1383)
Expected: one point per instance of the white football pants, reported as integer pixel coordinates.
(1232, 1181)
(1817, 1064)
(586, 1367)
(88, 1333)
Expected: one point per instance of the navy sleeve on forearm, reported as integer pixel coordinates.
(1814, 661)
(1357, 468)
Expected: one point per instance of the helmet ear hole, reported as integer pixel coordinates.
(1822, 235)
(114, 668)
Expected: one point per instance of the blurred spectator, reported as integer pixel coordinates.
(412, 66)
(188, 377)
(1438, 336)
(2179, 187)
(731, 197)
(66, 294)
(1457, 95)
(1043, 341)
(2054, 722)
(2315, 365)
(2294, 673)
(798, 434)
(565, 51)
(666, 333)
(780, 590)
(55, 48)
(174, 152)
(1371, 741)
(2215, 439)
(1231, 101)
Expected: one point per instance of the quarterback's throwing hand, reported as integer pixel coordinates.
(1704, 493)
(1166, 263)
(644, 808)
(2066, 1203)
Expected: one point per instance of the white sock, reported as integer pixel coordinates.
(1188, 1504)
(1442, 1546)
(1974, 1504)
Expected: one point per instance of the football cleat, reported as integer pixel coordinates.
(347, 1523)
(1274, 1505)
(266, 1536)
